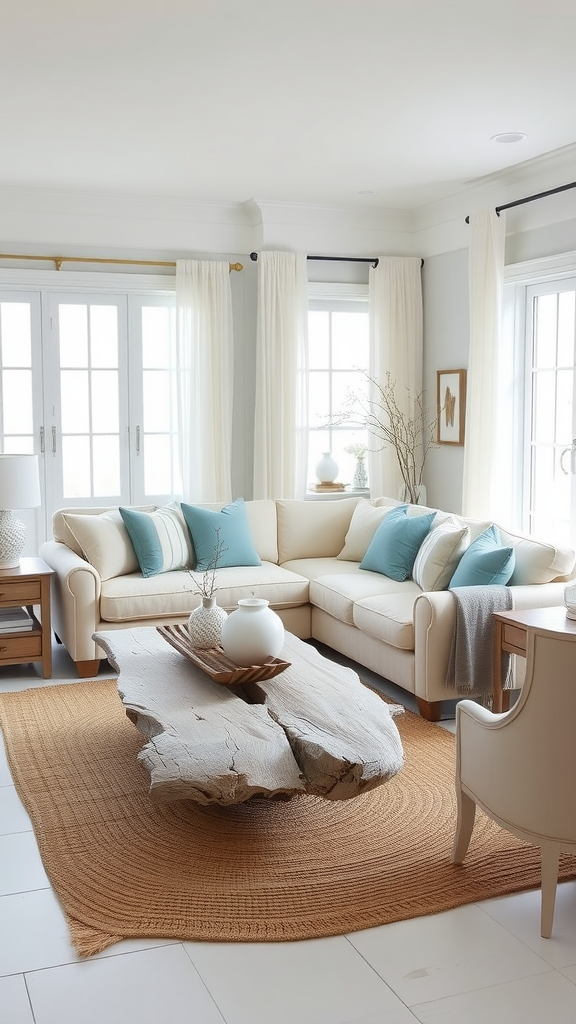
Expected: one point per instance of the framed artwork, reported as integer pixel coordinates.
(451, 405)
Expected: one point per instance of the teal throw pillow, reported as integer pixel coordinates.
(234, 536)
(485, 562)
(394, 546)
(160, 539)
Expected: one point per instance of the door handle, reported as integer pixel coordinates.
(572, 450)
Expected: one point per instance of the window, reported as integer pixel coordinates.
(338, 351)
(543, 309)
(87, 380)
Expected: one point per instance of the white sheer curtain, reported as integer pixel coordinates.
(205, 360)
(483, 436)
(281, 408)
(396, 345)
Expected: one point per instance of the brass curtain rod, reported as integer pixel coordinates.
(59, 260)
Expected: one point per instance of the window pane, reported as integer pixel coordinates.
(350, 340)
(104, 335)
(543, 407)
(156, 388)
(318, 340)
(157, 464)
(15, 329)
(76, 467)
(74, 398)
(17, 401)
(105, 401)
(566, 304)
(156, 335)
(319, 398)
(73, 329)
(19, 445)
(564, 407)
(106, 456)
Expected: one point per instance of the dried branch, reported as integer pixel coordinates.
(411, 436)
(207, 588)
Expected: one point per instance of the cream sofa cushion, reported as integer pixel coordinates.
(312, 529)
(438, 556)
(537, 561)
(103, 541)
(171, 594)
(389, 617)
(337, 595)
(366, 519)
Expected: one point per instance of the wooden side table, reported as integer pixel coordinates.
(510, 634)
(28, 586)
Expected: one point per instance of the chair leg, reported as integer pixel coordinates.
(464, 826)
(550, 858)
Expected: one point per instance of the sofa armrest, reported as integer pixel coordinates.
(75, 602)
(434, 623)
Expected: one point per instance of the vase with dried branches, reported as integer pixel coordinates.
(206, 621)
(411, 434)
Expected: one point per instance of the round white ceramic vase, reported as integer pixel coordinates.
(327, 469)
(253, 633)
(570, 600)
(205, 624)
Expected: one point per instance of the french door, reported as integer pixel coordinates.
(550, 490)
(88, 381)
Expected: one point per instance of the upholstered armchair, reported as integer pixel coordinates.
(520, 766)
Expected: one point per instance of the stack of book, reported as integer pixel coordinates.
(15, 620)
(325, 488)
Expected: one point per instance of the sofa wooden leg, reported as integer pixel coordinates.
(430, 710)
(88, 668)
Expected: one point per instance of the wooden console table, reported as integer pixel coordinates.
(510, 634)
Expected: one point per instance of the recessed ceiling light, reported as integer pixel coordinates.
(506, 137)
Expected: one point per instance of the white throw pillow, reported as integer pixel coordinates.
(438, 556)
(537, 561)
(366, 519)
(104, 542)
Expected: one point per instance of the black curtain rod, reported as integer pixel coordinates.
(530, 199)
(340, 259)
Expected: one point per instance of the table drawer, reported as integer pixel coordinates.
(514, 636)
(25, 645)
(15, 592)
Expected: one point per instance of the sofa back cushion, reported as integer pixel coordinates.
(537, 561)
(312, 529)
(366, 519)
(99, 537)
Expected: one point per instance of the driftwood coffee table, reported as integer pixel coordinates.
(312, 729)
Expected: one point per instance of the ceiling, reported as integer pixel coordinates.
(388, 103)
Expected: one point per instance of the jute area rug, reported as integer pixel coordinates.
(261, 871)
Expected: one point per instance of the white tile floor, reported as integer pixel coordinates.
(481, 963)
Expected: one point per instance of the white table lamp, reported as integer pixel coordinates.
(19, 488)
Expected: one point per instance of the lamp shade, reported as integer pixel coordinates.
(19, 482)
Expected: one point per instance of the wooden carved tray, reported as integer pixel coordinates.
(215, 663)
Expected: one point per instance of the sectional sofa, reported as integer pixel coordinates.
(317, 563)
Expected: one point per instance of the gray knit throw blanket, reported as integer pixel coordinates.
(470, 664)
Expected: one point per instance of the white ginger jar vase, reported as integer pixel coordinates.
(253, 633)
(327, 469)
(205, 624)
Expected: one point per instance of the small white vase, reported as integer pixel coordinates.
(327, 469)
(360, 478)
(205, 624)
(253, 633)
